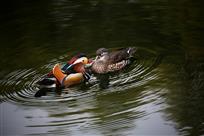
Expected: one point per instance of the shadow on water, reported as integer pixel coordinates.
(161, 93)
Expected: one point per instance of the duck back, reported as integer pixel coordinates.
(120, 55)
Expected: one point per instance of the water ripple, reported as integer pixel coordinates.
(80, 107)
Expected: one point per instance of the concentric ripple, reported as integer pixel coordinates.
(85, 106)
(20, 86)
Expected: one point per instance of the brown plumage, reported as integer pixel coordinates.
(109, 62)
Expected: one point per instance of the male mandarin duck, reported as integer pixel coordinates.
(71, 73)
(79, 75)
(111, 61)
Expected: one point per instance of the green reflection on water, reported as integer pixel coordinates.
(34, 33)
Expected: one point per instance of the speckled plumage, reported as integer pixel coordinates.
(113, 61)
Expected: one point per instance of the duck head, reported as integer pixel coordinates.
(101, 52)
(101, 56)
(49, 81)
(83, 60)
(99, 65)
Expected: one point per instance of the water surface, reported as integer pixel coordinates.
(161, 93)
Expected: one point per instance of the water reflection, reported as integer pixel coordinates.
(118, 116)
(186, 96)
(161, 91)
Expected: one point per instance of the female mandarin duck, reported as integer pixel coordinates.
(111, 61)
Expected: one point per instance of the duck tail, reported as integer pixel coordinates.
(131, 51)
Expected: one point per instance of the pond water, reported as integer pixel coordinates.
(161, 93)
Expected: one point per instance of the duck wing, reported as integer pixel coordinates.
(117, 66)
(120, 55)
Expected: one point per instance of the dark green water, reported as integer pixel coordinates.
(162, 93)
